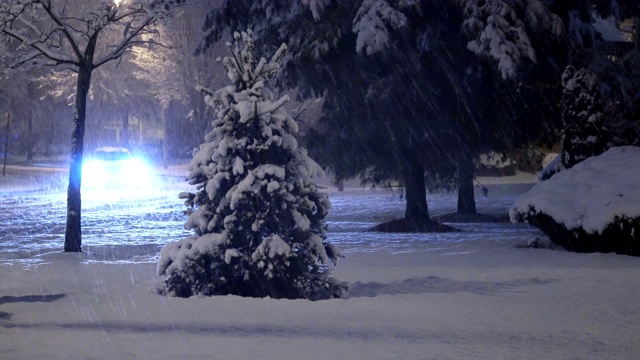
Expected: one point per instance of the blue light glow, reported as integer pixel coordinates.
(114, 170)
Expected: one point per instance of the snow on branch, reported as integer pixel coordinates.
(241, 67)
(128, 42)
(316, 7)
(28, 39)
(498, 33)
(541, 19)
(372, 23)
(41, 32)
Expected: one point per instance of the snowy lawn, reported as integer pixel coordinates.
(469, 295)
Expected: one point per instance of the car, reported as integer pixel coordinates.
(114, 168)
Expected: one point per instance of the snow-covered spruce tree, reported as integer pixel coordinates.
(584, 133)
(257, 215)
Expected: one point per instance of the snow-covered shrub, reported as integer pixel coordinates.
(591, 207)
(494, 164)
(257, 216)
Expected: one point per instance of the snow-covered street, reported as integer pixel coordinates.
(471, 295)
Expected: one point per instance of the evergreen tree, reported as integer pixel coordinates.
(584, 133)
(257, 215)
(600, 96)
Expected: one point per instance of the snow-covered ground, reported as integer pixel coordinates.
(477, 294)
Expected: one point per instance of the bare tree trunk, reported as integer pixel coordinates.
(125, 129)
(466, 199)
(48, 136)
(165, 138)
(30, 141)
(636, 42)
(416, 213)
(30, 138)
(6, 148)
(73, 237)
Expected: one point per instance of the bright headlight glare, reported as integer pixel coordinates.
(92, 168)
(116, 175)
(93, 173)
(134, 168)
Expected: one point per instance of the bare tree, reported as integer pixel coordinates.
(54, 33)
(174, 71)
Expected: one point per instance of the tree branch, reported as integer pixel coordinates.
(41, 49)
(126, 43)
(63, 28)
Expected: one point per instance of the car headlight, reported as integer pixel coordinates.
(116, 175)
(93, 172)
(135, 170)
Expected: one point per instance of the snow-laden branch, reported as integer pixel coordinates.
(316, 7)
(241, 67)
(41, 29)
(127, 42)
(541, 19)
(497, 32)
(372, 23)
(136, 21)
(19, 22)
(73, 41)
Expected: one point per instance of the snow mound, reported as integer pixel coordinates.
(591, 195)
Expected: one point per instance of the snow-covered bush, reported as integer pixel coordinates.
(257, 215)
(591, 207)
(494, 164)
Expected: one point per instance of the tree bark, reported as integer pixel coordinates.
(165, 137)
(48, 136)
(30, 141)
(466, 199)
(416, 214)
(73, 232)
(6, 147)
(636, 43)
(30, 138)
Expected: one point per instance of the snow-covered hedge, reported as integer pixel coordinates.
(592, 207)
